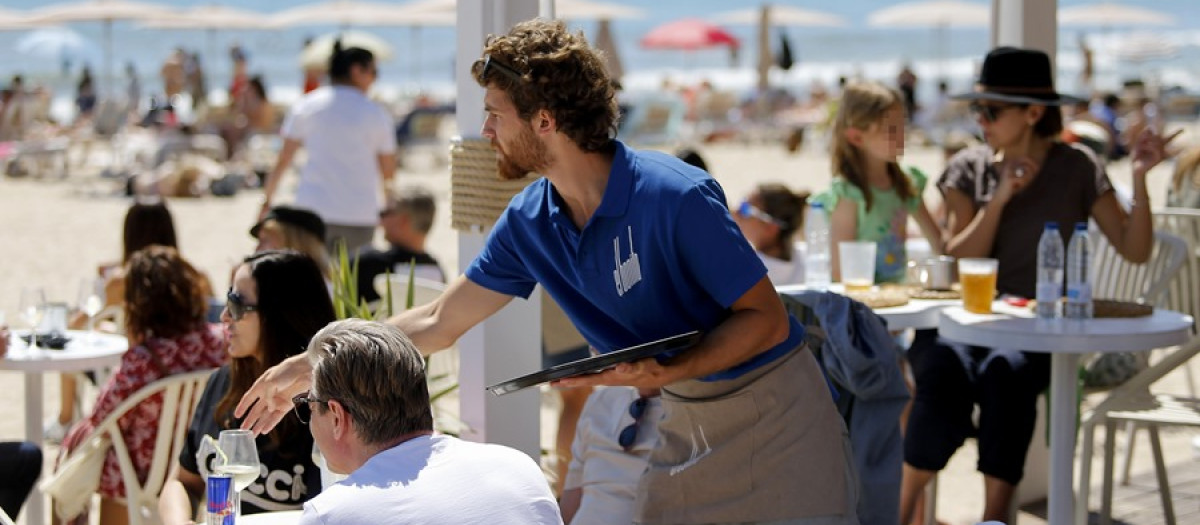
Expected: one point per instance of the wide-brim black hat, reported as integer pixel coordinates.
(300, 218)
(1018, 76)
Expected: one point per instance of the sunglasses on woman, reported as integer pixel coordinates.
(237, 305)
(989, 112)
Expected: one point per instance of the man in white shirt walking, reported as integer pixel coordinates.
(369, 413)
(351, 148)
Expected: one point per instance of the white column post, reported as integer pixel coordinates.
(1026, 23)
(509, 343)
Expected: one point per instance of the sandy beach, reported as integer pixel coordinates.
(55, 233)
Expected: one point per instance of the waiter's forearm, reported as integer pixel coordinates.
(758, 323)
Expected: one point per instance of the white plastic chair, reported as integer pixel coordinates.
(180, 393)
(424, 290)
(1115, 278)
(1171, 262)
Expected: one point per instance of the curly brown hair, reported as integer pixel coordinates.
(164, 295)
(546, 67)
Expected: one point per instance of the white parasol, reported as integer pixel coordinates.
(318, 52)
(1112, 14)
(939, 15)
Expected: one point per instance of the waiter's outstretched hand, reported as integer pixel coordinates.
(270, 398)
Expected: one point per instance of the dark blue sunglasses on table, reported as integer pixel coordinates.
(629, 434)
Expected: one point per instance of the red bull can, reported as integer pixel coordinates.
(221, 503)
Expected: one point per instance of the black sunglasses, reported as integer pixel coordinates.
(300, 405)
(989, 112)
(628, 435)
(236, 304)
(509, 72)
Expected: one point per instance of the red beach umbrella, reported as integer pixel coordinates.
(688, 34)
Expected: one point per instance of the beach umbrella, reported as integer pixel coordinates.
(688, 34)
(563, 9)
(768, 16)
(1112, 14)
(348, 13)
(318, 52)
(106, 11)
(608, 45)
(939, 15)
(15, 21)
(208, 17)
(57, 43)
(765, 60)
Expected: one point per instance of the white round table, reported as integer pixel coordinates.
(1065, 340)
(85, 351)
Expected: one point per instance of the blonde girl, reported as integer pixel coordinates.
(871, 196)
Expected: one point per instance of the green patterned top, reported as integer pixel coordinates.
(886, 223)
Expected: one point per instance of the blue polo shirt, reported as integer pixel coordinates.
(659, 257)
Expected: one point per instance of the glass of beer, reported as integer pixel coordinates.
(857, 263)
(978, 280)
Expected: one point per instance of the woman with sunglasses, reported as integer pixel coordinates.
(277, 301)
(165, 302)
(769, 218)
(998, 198)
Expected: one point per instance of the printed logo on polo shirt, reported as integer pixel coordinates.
(627, 273)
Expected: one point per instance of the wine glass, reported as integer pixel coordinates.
(240, 456)
(90, 303)
(33, 307)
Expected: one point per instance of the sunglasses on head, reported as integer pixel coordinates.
(628, 435)
(489, 64)
(749, 210)
(989, 112)
(237, 306)
(302, 408)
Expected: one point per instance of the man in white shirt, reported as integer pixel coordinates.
(370, 416)
(351, 147)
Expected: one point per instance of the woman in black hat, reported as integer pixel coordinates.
(999, 196)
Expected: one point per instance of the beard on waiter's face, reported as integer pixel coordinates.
(525, 154)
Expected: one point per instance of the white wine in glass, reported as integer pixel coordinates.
(91, 302)
(241, 461)
(33, 307)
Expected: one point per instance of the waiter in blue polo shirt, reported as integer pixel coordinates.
(638, 246)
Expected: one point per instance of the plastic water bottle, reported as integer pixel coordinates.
(817, 274)
(1079, 285)
(1050, 261)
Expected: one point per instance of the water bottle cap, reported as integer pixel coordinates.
(1051, 225)
(816, 205)
(1080, 226)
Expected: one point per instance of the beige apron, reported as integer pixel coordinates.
(762, 447)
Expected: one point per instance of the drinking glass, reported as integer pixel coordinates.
(857, 263)
(91, 302)
(33, 307)
(978, 280)
(239, 460)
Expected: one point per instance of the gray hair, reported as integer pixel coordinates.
(376, 373)
(418, 203)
